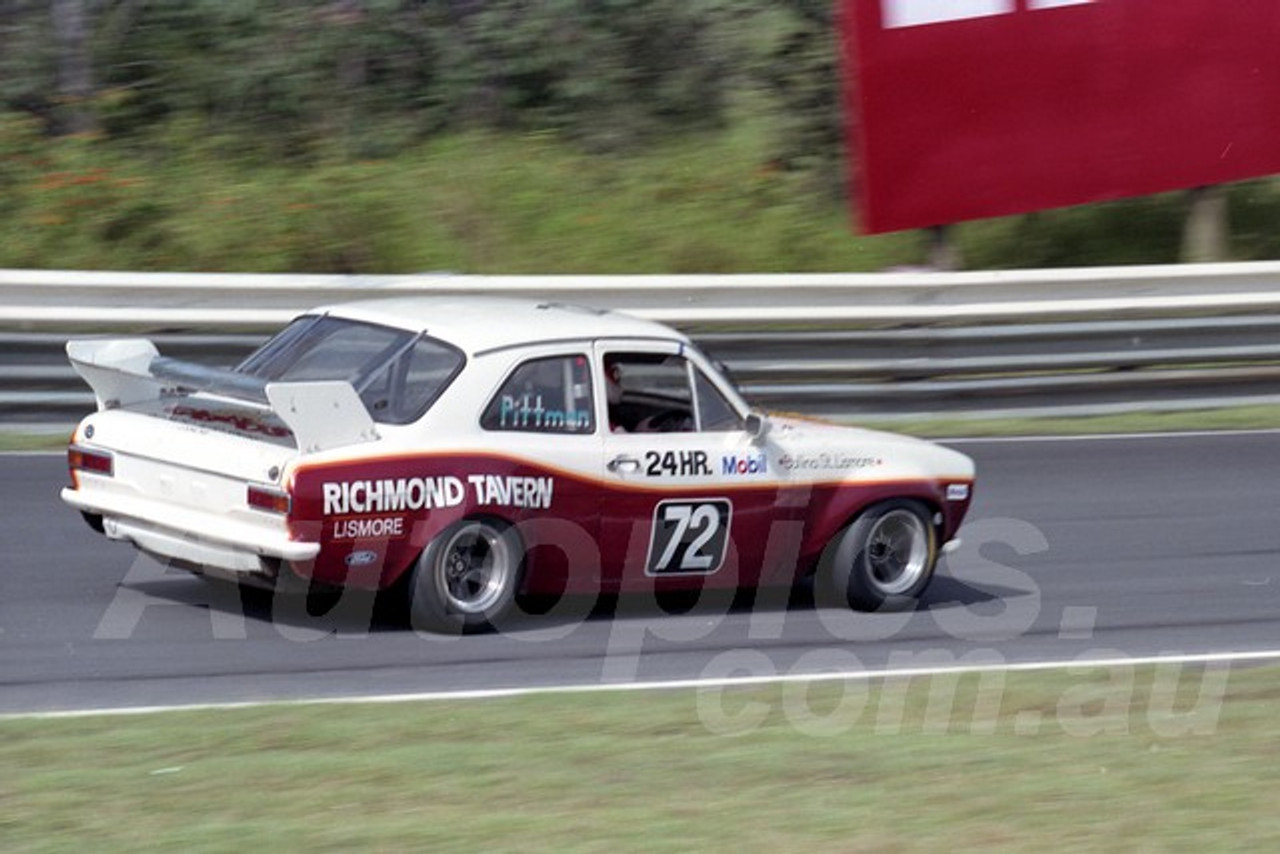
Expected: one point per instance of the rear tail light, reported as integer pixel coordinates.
(85, 459)
(269, 499)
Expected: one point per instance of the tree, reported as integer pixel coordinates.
(74, 66)
(23, 54)
(802, 76)
(287, 75)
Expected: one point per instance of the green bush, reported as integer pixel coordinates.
(511, 202)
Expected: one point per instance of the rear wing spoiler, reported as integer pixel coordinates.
(117, 369)
(324, 414)
(128, 371)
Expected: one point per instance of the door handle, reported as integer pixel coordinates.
(624, 465)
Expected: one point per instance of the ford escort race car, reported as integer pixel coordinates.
(476, 449)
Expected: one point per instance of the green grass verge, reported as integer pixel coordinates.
(16, 441)
(1151, 759)
(1238, 418)
(1235, 418)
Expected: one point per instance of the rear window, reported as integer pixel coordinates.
(398, 374)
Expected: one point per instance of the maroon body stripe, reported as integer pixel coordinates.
(582, 534)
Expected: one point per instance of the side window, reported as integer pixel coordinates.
(648, 393)
(550, 395)
(715, 414)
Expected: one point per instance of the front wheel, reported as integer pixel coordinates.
(466, 578)
(885, 559)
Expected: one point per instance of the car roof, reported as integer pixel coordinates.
(479, 324)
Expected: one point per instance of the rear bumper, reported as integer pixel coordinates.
(195, 537)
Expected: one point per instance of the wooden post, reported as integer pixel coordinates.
(1206, 231)
(943, 254)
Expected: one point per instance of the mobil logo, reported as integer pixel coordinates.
(740, 464)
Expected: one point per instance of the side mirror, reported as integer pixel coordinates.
(756, 425)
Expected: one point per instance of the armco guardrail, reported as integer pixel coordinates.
(58, 300)
(869, 345)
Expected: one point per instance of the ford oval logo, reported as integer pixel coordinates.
(361, 558)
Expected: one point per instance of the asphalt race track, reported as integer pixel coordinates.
(1074, 550)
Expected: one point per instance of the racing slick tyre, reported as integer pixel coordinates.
(466, 578)
(883, 560)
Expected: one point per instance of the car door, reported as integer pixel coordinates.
(689, 498)
(540, 422)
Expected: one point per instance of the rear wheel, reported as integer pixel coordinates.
(884, 559)
(466, 578)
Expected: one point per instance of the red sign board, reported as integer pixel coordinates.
(962, 109)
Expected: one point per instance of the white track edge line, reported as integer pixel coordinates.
(1096, 437)
(669, 685)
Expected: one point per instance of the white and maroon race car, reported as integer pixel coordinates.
(477, 449)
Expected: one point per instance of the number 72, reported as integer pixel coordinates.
(689, 537)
